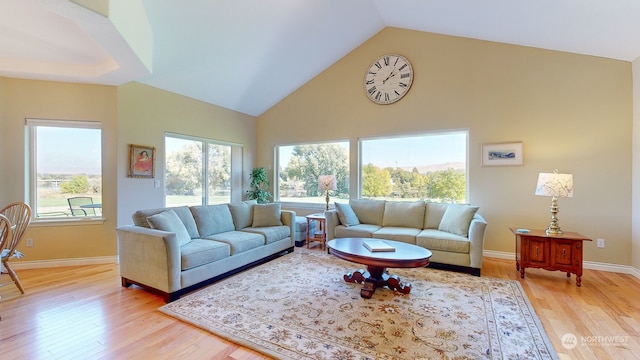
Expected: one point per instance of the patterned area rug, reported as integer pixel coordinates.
(299, 307)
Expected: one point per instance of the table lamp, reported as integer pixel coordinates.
(327, 183)
(554, 185)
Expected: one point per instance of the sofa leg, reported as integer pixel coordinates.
(475, 272)
(169, 297)
(125, 282)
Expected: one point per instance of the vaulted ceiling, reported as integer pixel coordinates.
(247, 55)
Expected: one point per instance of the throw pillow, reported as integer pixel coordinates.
(169, 221)
(266, 215)
(456, 219)
(241, 212)
(346, 215)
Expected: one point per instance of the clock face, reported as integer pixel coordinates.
(388, 79)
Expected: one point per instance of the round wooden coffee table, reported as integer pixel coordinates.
(404, 256)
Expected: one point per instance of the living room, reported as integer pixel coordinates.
(500, 92)
(575, 113)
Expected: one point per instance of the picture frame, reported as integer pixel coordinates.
(142, 161)
(502, 154)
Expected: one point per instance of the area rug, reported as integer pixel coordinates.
(299, 307)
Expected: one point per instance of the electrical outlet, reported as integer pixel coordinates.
(29, 242)
(156, 184)
(600, 243)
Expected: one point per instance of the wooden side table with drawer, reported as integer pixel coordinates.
(562, 252)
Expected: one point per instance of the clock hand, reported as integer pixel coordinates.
(390, 76)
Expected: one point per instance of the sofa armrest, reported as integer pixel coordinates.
(476, 240)
(150, 257)
(331, 222)
(288, 218)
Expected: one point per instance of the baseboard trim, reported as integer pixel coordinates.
(592, 265)
(98, 260)
(39, 264)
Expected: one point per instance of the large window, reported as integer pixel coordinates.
(428, 166)
(299, 167)
(65, 162)
(197, 171)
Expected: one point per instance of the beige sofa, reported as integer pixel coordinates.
(175, 250)
(453, 232)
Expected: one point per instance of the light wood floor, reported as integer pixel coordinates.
(83, 313)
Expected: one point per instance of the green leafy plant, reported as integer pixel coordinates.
(259, 185)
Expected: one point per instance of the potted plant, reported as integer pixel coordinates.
(259, 185)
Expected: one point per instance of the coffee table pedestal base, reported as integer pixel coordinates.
(375, 277)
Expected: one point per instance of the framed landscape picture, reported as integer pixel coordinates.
(142, 161)
(502, 154)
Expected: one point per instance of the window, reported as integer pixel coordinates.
(65, 162)
(428, 166)
(192, 162)
(299, 167)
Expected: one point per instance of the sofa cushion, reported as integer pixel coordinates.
(368, 211)
(402, 234)
(271, 233)
(213, 219)
(169, 221)
(266, 215)
(443, 241)
(404, 214)
(239, 241)
(346, 214)
(242, 213)
(433, 214)
(183, 212)
(362, 230)
(457, 218)
(200, 252)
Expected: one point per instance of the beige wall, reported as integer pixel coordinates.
(3, 137)
(22, 99)
(573, 113)
(146, 113)
(130, 114)
(636, 169)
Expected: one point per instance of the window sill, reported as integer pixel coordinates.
(75, 221)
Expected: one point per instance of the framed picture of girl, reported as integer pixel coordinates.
(142, 161)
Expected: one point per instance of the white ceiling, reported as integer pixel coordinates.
(247, 55)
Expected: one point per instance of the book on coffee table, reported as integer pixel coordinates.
(377, 245)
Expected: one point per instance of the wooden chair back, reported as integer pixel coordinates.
(19, 215)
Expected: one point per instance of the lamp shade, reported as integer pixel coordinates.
(554, 184)
(327, 182)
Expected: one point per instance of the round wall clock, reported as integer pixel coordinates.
(388, 79)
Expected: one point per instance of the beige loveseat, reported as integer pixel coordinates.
(453, 232)
(175, 250)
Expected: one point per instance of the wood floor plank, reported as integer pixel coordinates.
(82, 312)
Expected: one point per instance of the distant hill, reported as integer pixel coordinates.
(437, 167)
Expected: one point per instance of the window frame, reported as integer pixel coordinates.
(31, 176)
(277, 167)
(236, 154)
(464, 132)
